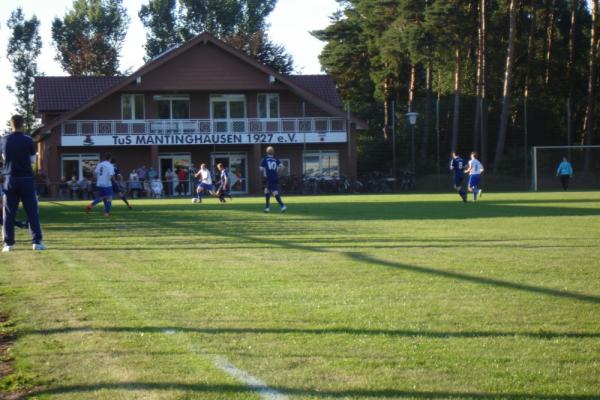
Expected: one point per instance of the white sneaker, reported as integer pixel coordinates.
(267, 210)
(39, 246)
(283, 208)
(7, 248)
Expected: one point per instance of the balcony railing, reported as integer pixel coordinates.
(200, 126)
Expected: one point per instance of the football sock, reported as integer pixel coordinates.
(107, 205)
(475, 190)
(96, 201)
(125, 200)
(268, 199)
(278, 198)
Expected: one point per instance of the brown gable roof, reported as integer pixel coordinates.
(65, 93)
(320, 85)
(167, 56)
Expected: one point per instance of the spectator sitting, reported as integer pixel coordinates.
(84, 188)
(74, 188)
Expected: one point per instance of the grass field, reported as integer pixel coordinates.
(358, 297)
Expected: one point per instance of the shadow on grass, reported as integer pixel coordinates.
(231, 389)
(360, 210)
(316, 331)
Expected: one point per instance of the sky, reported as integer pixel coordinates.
(290, 24)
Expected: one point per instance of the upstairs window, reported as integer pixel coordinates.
(268, 105)
(132, 107)
(173, 107)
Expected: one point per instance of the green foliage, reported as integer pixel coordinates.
(24, 47)
(90, 36)
(371, 44)
(241, 23)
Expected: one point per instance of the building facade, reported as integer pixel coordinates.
(202, 102)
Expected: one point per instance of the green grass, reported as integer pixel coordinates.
(358, 297)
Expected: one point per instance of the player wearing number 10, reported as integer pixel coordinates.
(269, 168)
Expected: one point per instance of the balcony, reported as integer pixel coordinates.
(203, 131)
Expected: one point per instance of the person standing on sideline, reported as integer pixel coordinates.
(269, 169)
(18, 152)
(458, 166)
(105, 173)
(117, 183)
(565, 172)
(474, 170)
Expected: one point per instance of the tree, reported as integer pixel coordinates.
(24, 46)
(508, 77)
(160, 19)
(241, 23)
(592, 82)
(90, 36)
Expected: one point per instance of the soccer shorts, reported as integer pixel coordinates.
(205, 186)
(105, 191)
(458, 179)
(474, 180)
(272, 186)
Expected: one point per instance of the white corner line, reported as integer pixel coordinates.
(251, 381)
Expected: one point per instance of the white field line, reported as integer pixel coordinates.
(219, 362)
(251, 381)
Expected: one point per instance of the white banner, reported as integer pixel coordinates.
(203, 138)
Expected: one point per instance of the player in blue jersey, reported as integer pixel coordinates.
(269, 169)
(205, 183)
(474, 170)
(224, 183)
(105, 175)
(457, 165)
(117, 183)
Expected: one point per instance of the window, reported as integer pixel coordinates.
(79, 165)
(321, 163)
(132, 107)
(228, 112)
(268, 105)
(173, 107)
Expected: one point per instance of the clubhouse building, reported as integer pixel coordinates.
(201, 102)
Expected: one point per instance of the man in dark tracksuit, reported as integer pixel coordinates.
(18, 152)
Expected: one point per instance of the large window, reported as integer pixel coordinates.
(268, 105)
(173, 106)
(132, 107)
(228, 112)
(321, 163)
(79, 165)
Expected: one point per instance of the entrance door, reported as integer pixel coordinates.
(176, 162)
(238, 170)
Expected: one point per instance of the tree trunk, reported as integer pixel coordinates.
(480, 86)
(526, 94)
(457, 92)
(551, 19)
(506, 91)
(427, 121)
(386, 108)
(412, 87)
(589, 120)
(574, 7)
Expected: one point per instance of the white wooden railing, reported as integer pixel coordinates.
(199, 126)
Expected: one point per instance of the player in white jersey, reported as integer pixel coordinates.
(205, 183)
(474, 170)
(105, 172)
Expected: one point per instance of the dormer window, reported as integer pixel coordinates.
(132, 107)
